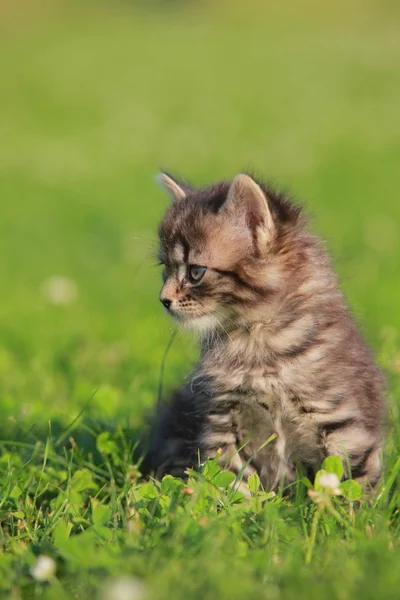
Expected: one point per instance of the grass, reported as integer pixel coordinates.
(94, 100)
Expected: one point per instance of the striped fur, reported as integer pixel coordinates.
(280, 353)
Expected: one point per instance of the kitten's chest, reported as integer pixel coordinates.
(257, 392)
(272, 427)
(263, 405)
(258, 415)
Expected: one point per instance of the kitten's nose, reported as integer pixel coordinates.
(166, 302)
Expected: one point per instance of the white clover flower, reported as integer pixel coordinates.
(330, 483)
(59, 290)
(44, 568)
(124, 588)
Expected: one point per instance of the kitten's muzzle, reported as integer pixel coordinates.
(166, 302)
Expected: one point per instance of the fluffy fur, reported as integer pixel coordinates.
(280, 353)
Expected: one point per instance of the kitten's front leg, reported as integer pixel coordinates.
(188, 429)
(218, 438)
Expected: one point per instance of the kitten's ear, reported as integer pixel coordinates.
(175, 190)
(247, 201)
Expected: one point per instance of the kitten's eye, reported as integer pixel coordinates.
(196, 273)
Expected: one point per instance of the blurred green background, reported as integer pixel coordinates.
(97, 97)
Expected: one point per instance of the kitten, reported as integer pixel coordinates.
(280, 353)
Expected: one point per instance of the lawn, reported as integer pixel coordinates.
(94, 100)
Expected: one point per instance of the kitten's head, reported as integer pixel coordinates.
(217, 245)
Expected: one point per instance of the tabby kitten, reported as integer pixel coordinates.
(280, 353)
